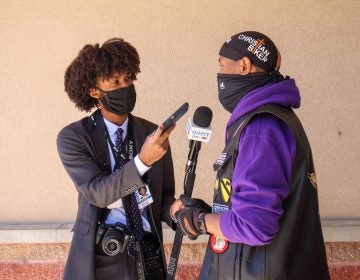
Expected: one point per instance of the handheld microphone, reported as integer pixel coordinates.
(198, 130)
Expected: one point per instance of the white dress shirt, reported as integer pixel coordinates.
(117, 212)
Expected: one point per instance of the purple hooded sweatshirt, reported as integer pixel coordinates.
(263, 167)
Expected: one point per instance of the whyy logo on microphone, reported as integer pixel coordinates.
(198, 133)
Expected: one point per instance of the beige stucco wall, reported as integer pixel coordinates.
(178, 42)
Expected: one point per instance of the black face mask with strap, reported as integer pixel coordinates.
(233, 87)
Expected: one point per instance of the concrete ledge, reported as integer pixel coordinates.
(334, 229)
(31, 232)
(341, 230)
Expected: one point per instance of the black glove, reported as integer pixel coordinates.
(191, 218)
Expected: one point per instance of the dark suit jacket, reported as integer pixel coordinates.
(84, 153)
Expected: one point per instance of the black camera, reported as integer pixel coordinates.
(112, 239)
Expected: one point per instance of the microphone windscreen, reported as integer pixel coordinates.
(202, 116)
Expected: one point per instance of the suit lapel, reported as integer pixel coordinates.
(96, 128)
(140, 133)
(139, 130)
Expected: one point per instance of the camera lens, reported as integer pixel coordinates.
(111, 247)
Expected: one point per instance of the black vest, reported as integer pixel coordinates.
(297, 251)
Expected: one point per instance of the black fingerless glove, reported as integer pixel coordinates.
(191, 219)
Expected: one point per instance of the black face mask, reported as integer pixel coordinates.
(119, 101)
(233, 87)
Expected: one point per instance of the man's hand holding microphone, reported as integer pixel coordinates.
(191, 218)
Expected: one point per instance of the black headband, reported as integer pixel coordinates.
(256, 46)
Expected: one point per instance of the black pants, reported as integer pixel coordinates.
(121, 266)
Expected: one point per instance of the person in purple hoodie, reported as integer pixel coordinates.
(265, 221)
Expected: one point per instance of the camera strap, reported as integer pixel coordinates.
(140, 263)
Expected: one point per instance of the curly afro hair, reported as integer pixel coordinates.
(94, 62)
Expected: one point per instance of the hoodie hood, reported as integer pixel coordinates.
(284, 93)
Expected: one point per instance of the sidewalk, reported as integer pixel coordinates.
(39, 250)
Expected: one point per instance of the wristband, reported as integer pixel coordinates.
(201, 223)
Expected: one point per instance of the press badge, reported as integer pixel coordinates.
(219, 208)
(143, 197)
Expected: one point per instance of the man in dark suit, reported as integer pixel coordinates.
(109, 156)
